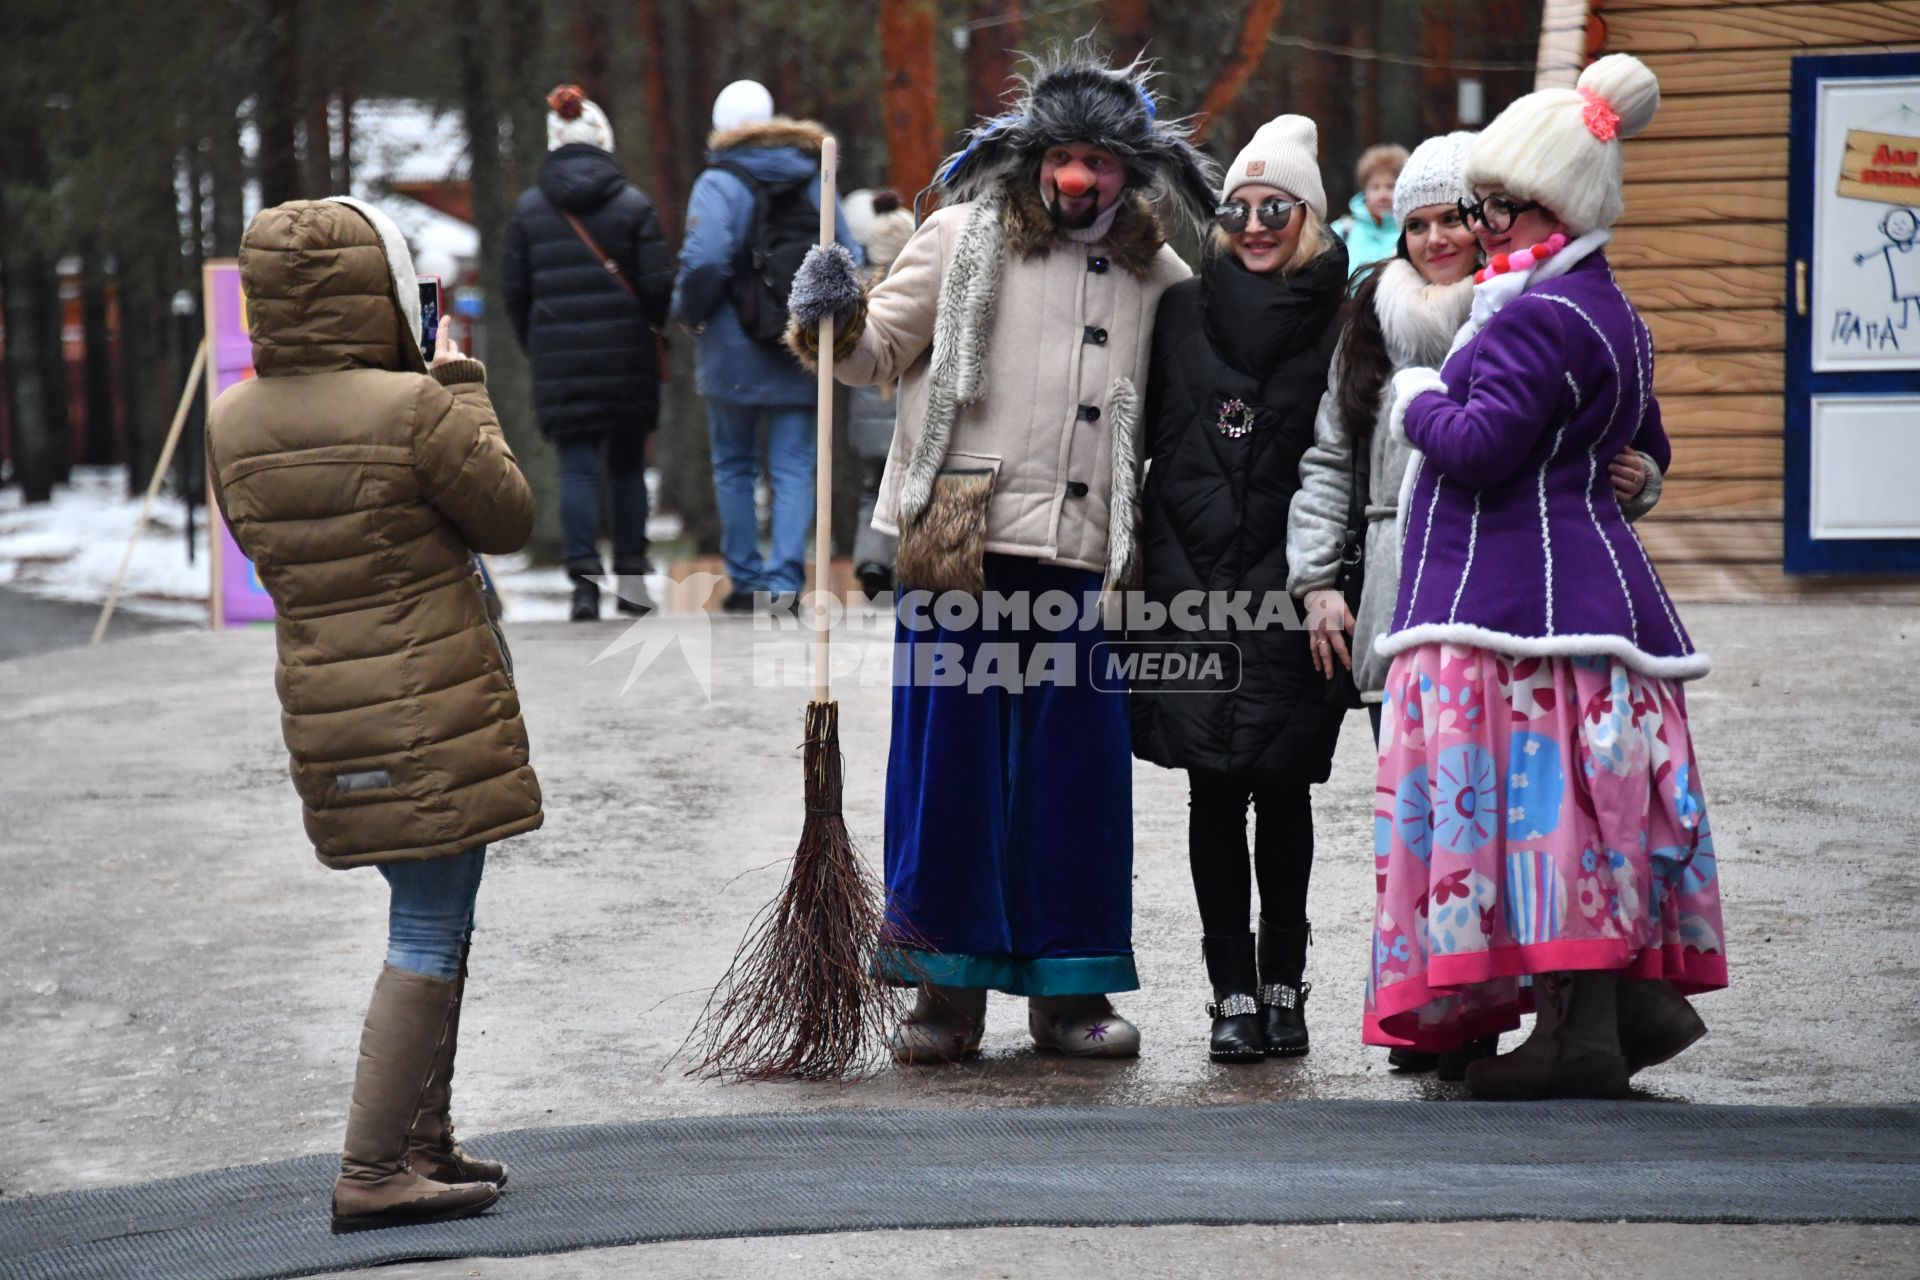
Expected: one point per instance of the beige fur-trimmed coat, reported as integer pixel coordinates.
(1023, 353)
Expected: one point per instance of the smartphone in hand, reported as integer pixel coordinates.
(429, 313)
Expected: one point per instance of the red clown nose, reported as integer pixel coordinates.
(1073, 180)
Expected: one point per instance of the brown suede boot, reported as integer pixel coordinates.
(1574, 1051)
(432, 1150)
(1656, 1023)
(399, 1046)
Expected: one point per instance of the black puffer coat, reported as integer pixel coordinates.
(596, 368)
(1215, 510)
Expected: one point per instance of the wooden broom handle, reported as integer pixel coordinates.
(823, 440)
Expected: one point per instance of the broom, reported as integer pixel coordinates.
(801, 1001)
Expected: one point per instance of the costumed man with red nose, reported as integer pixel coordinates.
(1018, 322)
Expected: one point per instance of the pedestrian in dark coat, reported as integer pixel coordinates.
(596, 366)
(1240, 356)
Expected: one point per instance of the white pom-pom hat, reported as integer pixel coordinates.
(1561, 147)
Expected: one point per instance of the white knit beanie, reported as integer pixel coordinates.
(1434, 174)
(1561, 147)
(1284, 153)
(742, 102)
(573, 117)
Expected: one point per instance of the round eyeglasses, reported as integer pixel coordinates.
(1495, 212)
(1274, 214)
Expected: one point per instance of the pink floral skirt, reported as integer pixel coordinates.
(1532, 815)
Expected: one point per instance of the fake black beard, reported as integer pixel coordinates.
(1075, 222)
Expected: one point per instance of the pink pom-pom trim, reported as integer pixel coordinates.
(1602, 121)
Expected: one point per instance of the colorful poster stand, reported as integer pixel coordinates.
(236, 598)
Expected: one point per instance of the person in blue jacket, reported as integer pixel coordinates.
(744, 379)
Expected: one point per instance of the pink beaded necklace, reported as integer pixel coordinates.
(1522, 260)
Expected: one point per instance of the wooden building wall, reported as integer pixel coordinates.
(1702, 250)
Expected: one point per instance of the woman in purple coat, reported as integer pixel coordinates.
(1540, 834)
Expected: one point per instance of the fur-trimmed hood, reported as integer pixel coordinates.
(801, 135)
(1133, 241)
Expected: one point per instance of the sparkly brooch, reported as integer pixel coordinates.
(1235, 419)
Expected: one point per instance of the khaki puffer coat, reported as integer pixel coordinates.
(359, 486)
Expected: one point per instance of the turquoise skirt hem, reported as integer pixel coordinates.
(1049, 976)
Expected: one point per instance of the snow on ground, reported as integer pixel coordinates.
(70, 549)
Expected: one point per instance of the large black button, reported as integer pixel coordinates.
(1098, 337)
(1097, 265)
(1089, 413)
(1076, 488)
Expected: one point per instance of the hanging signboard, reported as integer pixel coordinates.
(236, 597)
(1866, 226)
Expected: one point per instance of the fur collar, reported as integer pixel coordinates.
(802, 135)
(1133, 243)
(1419, 319)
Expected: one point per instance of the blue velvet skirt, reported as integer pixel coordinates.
(1009, 823)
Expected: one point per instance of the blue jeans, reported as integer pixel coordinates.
(430, 916)
(736, 463)
(622, 459)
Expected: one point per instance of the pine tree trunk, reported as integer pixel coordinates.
(278, 107)
(509, 381)
(56, 420)
(99, 444)
(990, 55)
(909, 93)
(26, 386)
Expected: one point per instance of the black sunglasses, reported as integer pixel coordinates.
(1274, 214)
(1496, 212)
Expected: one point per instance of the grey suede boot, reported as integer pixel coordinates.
(944, 1025)
(1574, 1051)
(1656, 1023)
(1081, 1027)
(407, 1023)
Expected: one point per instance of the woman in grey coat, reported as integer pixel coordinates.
(1405, 313)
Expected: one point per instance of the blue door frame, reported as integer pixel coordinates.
(1803, 553)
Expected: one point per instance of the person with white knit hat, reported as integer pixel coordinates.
(1406, 312)
(1238, 366)
(1543, 813)
(587, 277)
(758, 199)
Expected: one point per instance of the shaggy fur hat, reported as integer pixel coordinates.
(1433, 174)
(1561, 147)
(1072, 95)
(573, 117)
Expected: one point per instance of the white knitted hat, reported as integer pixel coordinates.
(742, 102)
(573, 117)
(1284, 153)
(1561, 147)
(1434, 174)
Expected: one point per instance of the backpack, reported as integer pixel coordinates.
(784, 227)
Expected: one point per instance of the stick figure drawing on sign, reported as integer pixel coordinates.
(1901, 227)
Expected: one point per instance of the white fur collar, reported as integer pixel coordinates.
(1496, 293)
(1419, 319)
